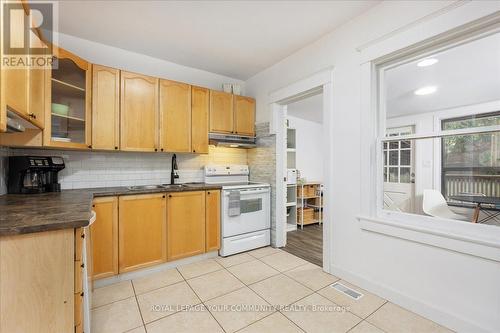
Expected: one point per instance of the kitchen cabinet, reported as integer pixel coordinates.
(142, 231)
(200, 101)
(37, 282)
(104, 233)
(244, 115)
(67, 116)
(221, 112)
(212, 220)
(185, 224)
(175, 115)
(105, 108)
(139, 112)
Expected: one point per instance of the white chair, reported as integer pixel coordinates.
(434, 204)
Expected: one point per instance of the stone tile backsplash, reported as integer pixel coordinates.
(107, 169)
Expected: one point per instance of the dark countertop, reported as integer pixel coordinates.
(28, 213)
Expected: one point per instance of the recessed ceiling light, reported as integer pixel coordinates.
(425, 90)
(427, 62)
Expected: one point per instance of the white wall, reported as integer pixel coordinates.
(455, 289)
(309, 148)
(134, 62)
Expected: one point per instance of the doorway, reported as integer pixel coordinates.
(317, 84)
(305, 178)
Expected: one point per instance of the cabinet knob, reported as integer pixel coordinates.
(116, 147)
(81, 294)
(161, 149)
(163, 196)
(82, 235)
(156, 149)
(170, 195)
(90, 146)
(208, 192)
(82, 265)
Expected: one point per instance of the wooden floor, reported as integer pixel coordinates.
(306, 244)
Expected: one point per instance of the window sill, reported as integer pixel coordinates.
(477, 240)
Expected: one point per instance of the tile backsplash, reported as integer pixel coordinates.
(107, 169)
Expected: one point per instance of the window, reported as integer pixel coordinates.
(440, 140)
(471, 163)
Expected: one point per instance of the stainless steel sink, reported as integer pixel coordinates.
(176, 186)
(146, 187)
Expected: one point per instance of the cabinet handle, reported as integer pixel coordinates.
(194, 150)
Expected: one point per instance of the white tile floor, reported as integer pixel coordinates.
(242, 294)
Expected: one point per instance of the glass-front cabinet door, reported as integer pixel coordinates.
(68, 107)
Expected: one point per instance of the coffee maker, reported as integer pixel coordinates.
(34, 174)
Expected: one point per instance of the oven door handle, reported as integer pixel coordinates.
(242, 192)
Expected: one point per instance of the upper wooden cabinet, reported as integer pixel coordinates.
(200, 99)
(67, 116)
(244, 115)
(139, 112)
(175, 115)
(104, 234)
(221, 112)
(212, 224)
(105, 108)
(185, 224)
(231, 114)
(142, 231)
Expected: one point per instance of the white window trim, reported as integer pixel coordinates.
(477, 240)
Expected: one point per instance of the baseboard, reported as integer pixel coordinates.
(153, 269)
(425, 310)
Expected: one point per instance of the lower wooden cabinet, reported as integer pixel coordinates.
(142, 231)
(104, 232)
(212, 221)
(135, 231)
(37, 282)
(186, 224)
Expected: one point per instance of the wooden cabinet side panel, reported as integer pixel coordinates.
(186, 224)
(244, 113)
(141, 231)
(212, 220)
(175, 115)
(138, 112)
(200, 100)
(104, 234)
(221, 112)
(36, 288)
(105, 107)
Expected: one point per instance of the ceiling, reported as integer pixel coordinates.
(233, 38)
(310, 108)
(465, 75)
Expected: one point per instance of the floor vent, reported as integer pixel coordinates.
(346, 290)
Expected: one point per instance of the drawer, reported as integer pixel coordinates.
(78, 309)
(78, 276)
(79, 236)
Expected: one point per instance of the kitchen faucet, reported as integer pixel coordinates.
(174, 168)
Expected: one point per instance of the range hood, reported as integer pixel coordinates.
(231, 140)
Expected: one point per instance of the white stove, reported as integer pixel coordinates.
(245, 208)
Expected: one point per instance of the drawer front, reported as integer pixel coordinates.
(78, 309)
(78, 276)
(79, 235)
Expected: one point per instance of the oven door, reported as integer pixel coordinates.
(255, 213)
